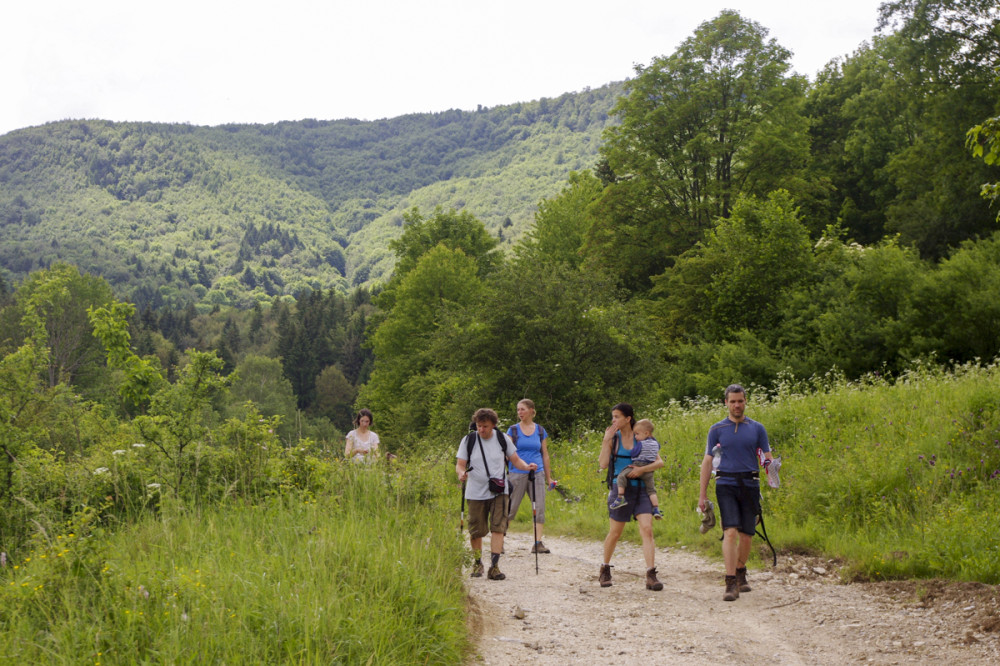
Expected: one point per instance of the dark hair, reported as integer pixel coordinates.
(733, 388)
(626, 410)
(484, 414)
(364, 412)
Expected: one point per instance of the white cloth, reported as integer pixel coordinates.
(362, 444)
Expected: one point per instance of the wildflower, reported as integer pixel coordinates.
(138, 445)
(3, 559)
(101, 470)
(118, 452)
(153, 486)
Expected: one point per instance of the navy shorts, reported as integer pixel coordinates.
(738, 507)
(638, 502)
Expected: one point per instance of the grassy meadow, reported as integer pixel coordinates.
(896, 479)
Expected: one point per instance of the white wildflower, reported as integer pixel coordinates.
(101, 470)
(153, 486)
(138, 445)
(119, 452)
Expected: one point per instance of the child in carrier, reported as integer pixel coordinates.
(643, 453)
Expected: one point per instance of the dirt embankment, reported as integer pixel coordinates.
(797, 613)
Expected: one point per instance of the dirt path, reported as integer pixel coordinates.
(797, 613)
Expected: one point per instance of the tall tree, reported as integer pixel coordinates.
(719, 117)
(404, 381)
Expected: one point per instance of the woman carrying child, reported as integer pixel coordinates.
(531, 441)
(645, 451)
(616, 455)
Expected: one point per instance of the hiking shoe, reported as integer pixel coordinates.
(707, 517)
(651, 582)
(477, 569)
(495, 573)
(539, 547)
(741, 579)
(732, 589)
(604, 578)
(656, 513)
(618, 503)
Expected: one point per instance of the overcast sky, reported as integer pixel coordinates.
(210, 62)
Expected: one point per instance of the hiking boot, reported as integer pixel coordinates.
(741, 579)
(477, 569)
(656, 513)
(707, 517)
(605, 576)
(651, 582)
(539, 547)
(495, 573)
(732, 589)
(618, 503)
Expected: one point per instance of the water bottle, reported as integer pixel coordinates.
(716, 457)
(771, 469)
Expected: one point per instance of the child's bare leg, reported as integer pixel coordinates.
(653, 500)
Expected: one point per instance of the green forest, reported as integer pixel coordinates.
(733, 220)
(174, 215)
(190, 316)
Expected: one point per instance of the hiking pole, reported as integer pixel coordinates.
(461, 515)
(534, 515)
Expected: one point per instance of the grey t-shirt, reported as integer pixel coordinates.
(477, 485)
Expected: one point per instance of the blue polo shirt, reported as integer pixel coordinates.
(740, 442)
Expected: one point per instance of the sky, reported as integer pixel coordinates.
(211, 62)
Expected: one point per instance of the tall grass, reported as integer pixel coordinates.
(366, 574)
(897, 478)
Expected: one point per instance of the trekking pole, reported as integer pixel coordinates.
(534, 515)
(461, 515)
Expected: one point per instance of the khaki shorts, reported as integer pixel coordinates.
(487, 516)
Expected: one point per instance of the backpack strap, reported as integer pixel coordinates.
(614, 454)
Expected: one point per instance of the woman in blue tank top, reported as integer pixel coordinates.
(615, 451)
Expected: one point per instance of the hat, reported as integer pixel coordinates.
(707, 517)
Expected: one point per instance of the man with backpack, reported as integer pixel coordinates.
(481, 467)
(737, 485)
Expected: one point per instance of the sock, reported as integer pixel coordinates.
(494, 558)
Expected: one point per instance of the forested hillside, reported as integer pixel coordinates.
(232, 215)
(731, 220)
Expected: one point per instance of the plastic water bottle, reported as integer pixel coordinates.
(771, 469)
(716, 457)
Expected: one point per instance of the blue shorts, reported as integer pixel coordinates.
(638, 502)
(738, 507)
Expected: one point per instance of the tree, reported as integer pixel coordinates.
(450, 229)
(719, 118)
(894, 117)
(552, 333)
(736, 279)
(259, 380)
(426, 298)
(62, 295)
(984, 141)
(335, 397)
(562, 222)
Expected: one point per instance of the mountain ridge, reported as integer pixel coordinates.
(173, 214)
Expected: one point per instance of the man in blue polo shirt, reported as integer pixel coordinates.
(737, 486)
